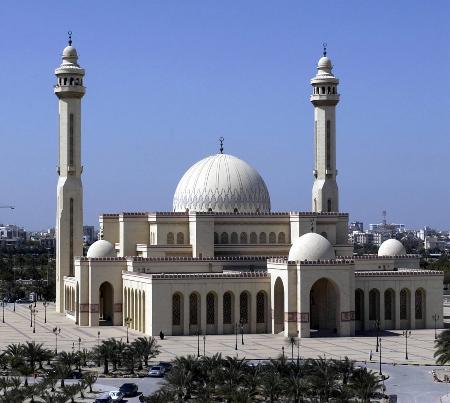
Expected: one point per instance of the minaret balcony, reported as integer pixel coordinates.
(69, 91)
(326, 99)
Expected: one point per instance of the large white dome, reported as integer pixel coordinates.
(391, 247)
(311, 246)
(101, 248)
(222, 183)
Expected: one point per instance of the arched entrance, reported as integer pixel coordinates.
(106, 305)
(359, 309)
(278, 309)
(324, 308)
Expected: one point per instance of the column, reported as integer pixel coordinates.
(397, 307)
(252, 301)
(125, 306)
(186, 314)
(219, 313)
(366, 308)
(412, 309)
(203, 313)
(382, 309)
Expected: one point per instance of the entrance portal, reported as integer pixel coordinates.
(278, 309)
(324, 308)
(106, 298)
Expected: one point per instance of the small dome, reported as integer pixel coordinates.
(391, 247)
(311, 246)
(70, 51)
(324, 63)
(101, 248)
(221, 183)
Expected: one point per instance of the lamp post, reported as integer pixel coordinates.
(298, 348)
(377, 327)
(292, 342)
(204, 345)
(34, 311)
(435, 318)
(14, 303)
(128, 322)
(98, 347)
(242, 331)
(381, 374)
(236, 332)
(56, 332)
(3, 314)
(198, 343)
(282, 351)
(45, 304)
(406, 334)
(30, 307)
(79, 354)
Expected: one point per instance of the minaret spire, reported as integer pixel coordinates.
(325, 97)
(221, 140)
(69, 206)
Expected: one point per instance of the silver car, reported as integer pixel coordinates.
(116, 395)
(156, 371)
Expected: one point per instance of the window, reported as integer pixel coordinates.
(170, 238)
(176, 310)
(419, 304)
(329, 205)
(227, 308)
(260, 307)
(328, 145)
(224, 237)
(243, 307)
(281, 237)
(210, 309)
(71, 140)
(243, 237)
(272, 237)
(253, 238)
(193, 309)
(404, 304)
(388, 300)
(216, 237)
(359, 304)
(374, 305)
(262, 237)
(324, 234)
(234, 237)
(71, 271)
(180, 238)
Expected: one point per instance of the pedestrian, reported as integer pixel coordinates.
(370, 355)
(161, 335)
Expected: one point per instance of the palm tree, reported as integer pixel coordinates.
(149, 348)
(442, 348)
(365, 383)
(296, 387)
(70, 391)
(271, 385)
(33, 352)
(66, 359)
(345, 368)
(130, 356)
(62, 370)
(105, 351)
(323, 376)
(90, 378)
(14, 352)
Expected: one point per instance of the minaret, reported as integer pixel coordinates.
(69, 206)
(325, 98)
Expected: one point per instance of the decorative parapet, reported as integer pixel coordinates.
(222, 214)
(376, 257)
(312, 262)
(100, 259)
(179, 276)
(398, 273)
(200, 259)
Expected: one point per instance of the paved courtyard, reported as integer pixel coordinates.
(258, 346)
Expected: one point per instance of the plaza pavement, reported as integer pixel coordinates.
(257, 346)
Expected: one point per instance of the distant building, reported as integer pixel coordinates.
(89, 234)
(12, 235)
(356, 226)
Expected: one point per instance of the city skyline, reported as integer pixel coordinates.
(160, 93)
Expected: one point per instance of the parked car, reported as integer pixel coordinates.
(116, 395)
(23, 301)
(166, 365)
(104, 398)
(129, 389)
(156, 371)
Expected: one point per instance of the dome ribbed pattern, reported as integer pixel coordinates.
(222, 183)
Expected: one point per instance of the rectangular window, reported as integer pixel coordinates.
(71, 271)
(315, 144)
(71, 140)
(328, 145)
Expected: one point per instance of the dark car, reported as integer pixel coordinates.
(166, 365)
(23, 301)
(129, 389)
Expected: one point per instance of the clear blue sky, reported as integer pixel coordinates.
(166, 78)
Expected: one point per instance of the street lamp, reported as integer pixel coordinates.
(282, 351)
(435, 318)
(381, 374)
(236, 332)
(30, 307)
(204, 345)
(406, 334)
(56, 332)
(3, 314)
(198, 343)
(34, 311)
(128, 322)
(292, 342)
(45, 304)
(98, 347)
(377, 327)
(242, 330)
(298, 348)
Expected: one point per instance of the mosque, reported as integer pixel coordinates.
(221, 259)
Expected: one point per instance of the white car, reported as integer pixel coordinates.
(156, 371)
(116, 395)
